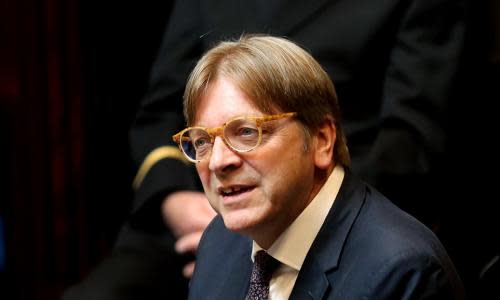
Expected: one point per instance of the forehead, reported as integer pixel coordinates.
(222, 101)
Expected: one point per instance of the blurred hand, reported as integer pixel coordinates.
(187, 214)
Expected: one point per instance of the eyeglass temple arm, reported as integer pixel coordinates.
(264, 119)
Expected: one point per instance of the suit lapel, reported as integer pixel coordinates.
(312, 282)
(237, 282)
(325, 253)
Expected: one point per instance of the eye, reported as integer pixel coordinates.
(242, 133)
(200, 142)
(247, 131)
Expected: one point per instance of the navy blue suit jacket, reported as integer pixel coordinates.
(367, 248)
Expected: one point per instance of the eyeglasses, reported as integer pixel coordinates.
(242, 134)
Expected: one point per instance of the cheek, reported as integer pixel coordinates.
(281, 166)
(290, 176)
(276, 179)
(204, 175)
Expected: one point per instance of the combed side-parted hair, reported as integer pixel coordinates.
(277, 76)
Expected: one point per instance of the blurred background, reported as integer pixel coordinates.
(71, 76)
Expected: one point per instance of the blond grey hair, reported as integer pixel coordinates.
(277, 76)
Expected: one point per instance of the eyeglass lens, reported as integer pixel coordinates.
(240, 134)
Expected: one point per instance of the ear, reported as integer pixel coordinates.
(324, 141)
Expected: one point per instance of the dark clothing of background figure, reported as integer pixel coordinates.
(367, 248)
(393, 64)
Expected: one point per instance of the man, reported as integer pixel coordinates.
(394, 65)
(266, 138)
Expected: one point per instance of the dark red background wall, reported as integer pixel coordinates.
(71, 75)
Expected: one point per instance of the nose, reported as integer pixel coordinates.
(222, 158)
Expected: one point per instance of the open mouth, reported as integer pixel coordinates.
(234, 190)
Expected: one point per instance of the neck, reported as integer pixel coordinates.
(266, 234)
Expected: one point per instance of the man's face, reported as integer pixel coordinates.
(258, 193)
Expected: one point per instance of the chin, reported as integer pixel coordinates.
(241, 222)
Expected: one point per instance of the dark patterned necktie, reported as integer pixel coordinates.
(262, 271)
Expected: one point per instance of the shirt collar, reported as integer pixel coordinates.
(291, 247)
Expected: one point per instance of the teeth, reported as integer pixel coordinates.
(231, 189)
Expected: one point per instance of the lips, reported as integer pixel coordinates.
(234, 190)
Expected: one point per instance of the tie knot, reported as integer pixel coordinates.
(263, 267)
